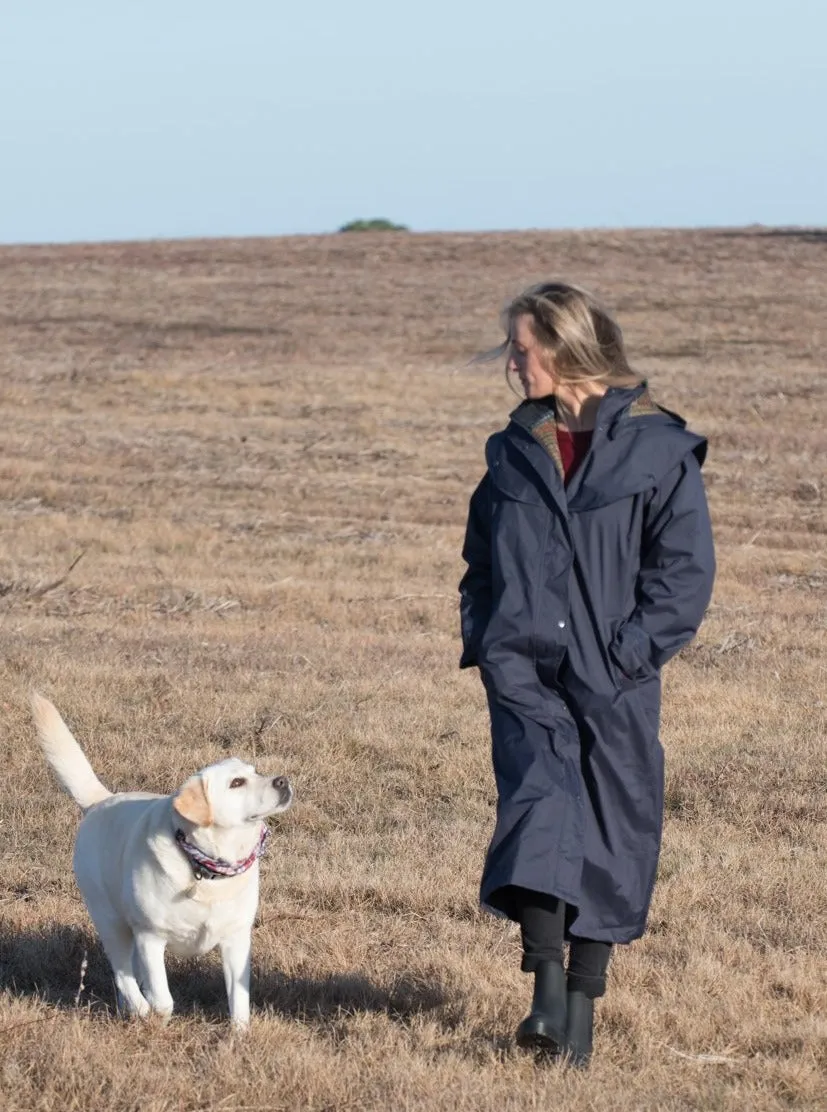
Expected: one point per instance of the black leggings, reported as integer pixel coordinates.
(542, 922)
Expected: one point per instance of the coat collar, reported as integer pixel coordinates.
(635, 444)
(540, 417)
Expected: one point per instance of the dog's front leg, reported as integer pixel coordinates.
(149, 952)
(119, 944)
(235, 957)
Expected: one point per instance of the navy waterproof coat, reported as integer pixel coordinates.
(573, 600)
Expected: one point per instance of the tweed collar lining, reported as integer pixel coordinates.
(539, 419)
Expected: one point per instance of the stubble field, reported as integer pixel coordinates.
(233, 487)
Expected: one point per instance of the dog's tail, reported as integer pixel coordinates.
(65, 755)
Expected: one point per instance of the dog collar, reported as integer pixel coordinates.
(208, 868)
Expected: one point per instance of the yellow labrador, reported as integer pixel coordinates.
(160, 871)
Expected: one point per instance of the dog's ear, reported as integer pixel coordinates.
(192, 802)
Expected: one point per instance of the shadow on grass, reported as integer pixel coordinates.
(320, 1000)
(49, 965)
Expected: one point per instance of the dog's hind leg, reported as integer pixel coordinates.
(148, 958)
(235, 957)
(117, 944)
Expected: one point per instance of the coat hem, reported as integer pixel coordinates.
(619, 935)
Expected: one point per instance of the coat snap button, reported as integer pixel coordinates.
(562, 625)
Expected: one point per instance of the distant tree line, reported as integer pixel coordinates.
(375, 225)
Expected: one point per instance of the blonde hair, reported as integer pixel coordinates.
(581, 338)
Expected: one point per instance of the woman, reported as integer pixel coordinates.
(590, 563)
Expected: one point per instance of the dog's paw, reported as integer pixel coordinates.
(133, 1006)
(161, 1010)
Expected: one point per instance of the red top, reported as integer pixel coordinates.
(573, 448)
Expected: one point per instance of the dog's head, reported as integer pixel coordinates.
(231, 793)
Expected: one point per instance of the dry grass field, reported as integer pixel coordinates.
(233, 489)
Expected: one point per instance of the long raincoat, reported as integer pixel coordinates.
(573, 600)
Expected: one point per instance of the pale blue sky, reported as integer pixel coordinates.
(127, 119)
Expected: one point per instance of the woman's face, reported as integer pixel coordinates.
(529, 361)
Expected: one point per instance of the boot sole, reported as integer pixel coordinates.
(537, 1035)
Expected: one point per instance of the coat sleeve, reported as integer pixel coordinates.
(676, 574)
(475, 585)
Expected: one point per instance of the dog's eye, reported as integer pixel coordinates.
(238, 782)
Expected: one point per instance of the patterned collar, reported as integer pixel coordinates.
(208, 868)
(539, 418)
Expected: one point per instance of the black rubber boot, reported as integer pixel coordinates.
(545, 1028)
(579, 1029)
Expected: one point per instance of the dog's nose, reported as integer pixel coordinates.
(281, 782)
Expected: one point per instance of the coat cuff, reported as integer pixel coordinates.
(631, 650)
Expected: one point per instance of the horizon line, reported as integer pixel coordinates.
(753, 226)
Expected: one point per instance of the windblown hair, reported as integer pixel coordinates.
(583, 341)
